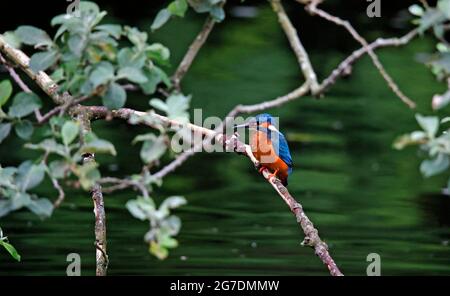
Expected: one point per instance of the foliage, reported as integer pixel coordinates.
(92, 59)
(435, 144)
(179, 8)
(163, 225)
(8, 247)
(437, 20)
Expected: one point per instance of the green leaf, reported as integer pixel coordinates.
(429, 124)
(99, 146)
(77, 44)
(113, 30)
(30, 175)
(58, 169)
(137, 37)
(153, 149)
(128, 58)
(144, 137)
(132, 74)
(168, 242)
(24, 129)
(87, 174)
(115, 97)
(415, 138)
(441, 47)
(177, 107)
(103, 73)
(164, 77)
(141, 208)
(171, 225)
(161, 18)
(48, 145)
(170, 203)
(11, 250)
(440, 101)
(7, 177)
(41, 207)
(416, 10)
(33, 36)
(159, 104)
(178, 7)
(153, 79)
(156, 249)
(217, 13)
(41, 61)
(431, 18)
(158, 53)
(88, 8)
(435, 166)
(5, 129)
(58, 75)
(173, 202)
(5, 91)
(444, 6)
(19, 200)
(12, 39)
(69, 132)
(201, 6)
(24, 104)
(61, 19)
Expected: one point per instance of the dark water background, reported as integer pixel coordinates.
(363, 196)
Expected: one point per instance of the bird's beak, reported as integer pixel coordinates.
(245, 125)
(249, 125)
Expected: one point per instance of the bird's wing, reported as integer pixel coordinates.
(280, 144)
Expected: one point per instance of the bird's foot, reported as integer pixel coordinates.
(271, 176)
(261, 169)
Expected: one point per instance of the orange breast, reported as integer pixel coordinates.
(264, 152)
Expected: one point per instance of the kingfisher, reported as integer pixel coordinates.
(269, 147)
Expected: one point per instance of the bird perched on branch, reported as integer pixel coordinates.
(269, 146)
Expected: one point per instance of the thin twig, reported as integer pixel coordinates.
(177, 162)
(121, 184)
(61, 109)
(14, 75)
(296, 45)
(293, 95)
(61, 194)
(313, 9)
(192, 52)
(347, 63)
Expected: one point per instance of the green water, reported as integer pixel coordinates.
(363, 196)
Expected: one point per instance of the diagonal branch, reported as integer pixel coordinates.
(347, 63)
(312, 237)
(296, 45)
(14, 75)
(239, 109)
(314, 10)
(41, 78)
(231, 143)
